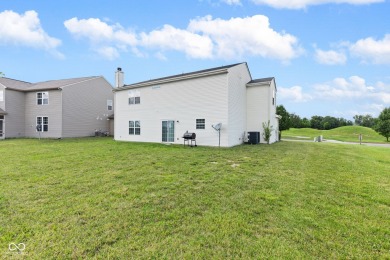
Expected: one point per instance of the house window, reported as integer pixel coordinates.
(200, 123)
(134, 128)
(42, 124)
(109, 105)
(134, 97)
(42, 98)
(273, 97)
(1, 95)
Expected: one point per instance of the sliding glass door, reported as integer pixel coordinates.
(168, 131)
(1, 127)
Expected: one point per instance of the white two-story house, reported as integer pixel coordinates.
(162, 110)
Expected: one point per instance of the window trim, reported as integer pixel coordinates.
(42, 124)
(200, 125)
(134, 127)
(42, 98)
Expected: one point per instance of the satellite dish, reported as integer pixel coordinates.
(217, 126)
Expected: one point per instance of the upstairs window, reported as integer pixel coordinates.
(134, 97)
(109, 105)
(200, 123)
(42, 124)
(134, 128)
(273, 97)
(1, 95)
(42, 98)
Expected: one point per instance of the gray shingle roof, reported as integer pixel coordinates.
(13, 83)
(56, 84)
(177, 77)
(46, 85)
(263, 80)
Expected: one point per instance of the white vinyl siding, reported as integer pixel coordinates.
(180, 101)
(260, 109)
(238, 77)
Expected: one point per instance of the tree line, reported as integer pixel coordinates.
(291, 120)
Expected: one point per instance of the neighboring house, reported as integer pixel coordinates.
(162, 110)
(55, 109)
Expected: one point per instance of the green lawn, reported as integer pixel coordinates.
(96, 198)
(345, 133)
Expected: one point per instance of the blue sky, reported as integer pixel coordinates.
(329, 57)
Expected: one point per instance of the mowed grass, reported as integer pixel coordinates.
(96, 198)
(345, 133)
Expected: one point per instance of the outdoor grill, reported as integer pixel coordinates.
(190, 138)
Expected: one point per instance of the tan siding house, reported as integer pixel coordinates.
(55, 109)
(162, 110)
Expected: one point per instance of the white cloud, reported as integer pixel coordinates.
(294, 94)
(171, 38)
(26, 30)
(204, 38)
(93, 29)
(352, 88)
(371, 50)
(108, 52)
(107, 40)
(330, 57)
(302, 4)
(246, 36)
(232, 2)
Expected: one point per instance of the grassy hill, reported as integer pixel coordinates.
(93, 198)
(345, 133)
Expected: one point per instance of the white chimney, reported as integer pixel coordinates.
(119, 77)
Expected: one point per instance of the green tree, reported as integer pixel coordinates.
(305, 123)
(383, 123)
(2, 74)
(365, 120)
(284, 122)
(267, 131)
(295, 121)
(316, 122)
